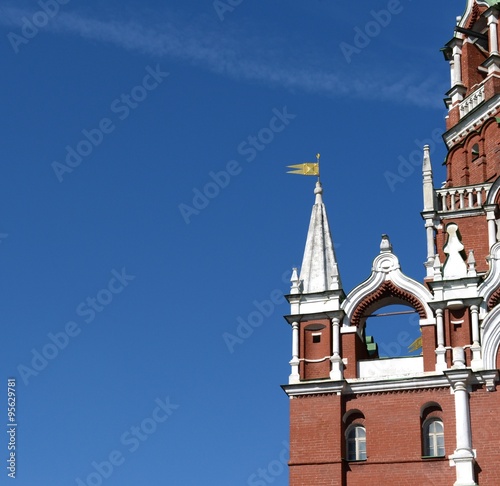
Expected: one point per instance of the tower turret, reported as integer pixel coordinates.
(473, 134)
(367, 412)
(315, 298)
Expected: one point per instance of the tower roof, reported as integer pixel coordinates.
(319, 271)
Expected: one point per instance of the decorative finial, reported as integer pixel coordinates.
(318, 190)
(437, 268)
(385, 245)
(295, 282)
(455, 266)
(471, 265)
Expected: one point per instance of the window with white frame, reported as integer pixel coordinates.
(356, 443)
(433, 438)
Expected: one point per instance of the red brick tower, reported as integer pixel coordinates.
(357, 418)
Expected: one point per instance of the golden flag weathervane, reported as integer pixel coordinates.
(417, 344)
(307, 168)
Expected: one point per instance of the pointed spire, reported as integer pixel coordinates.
(319, 271)
(437, 268)
(471, 264)
(429, 195)
(295, 282)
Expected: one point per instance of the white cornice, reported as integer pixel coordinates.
(358, 386)
(472, 121)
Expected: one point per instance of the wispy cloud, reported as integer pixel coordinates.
(256, 60)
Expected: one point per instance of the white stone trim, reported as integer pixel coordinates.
(492, 194)
(386, 267)
(294, 362)
(491, 282)
(491, 338)
(466, 126)
(392, 367)
(468, 10)
(472, 101)
(357, 385)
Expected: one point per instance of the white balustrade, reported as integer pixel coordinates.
(473, 100)
(461, 198)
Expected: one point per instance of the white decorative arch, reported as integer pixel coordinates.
(468, 10)
(386, 267)
(493, 192)
(491, 338)
(492, 281)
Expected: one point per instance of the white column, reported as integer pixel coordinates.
(493, 31)
(476, 346)
(492, 226)
(295, 376)
(464, 442)
(336, 337)
(463, 457)
(440, 350)
(336, 372)
(429, 229)
(457, 63)
(458, 90)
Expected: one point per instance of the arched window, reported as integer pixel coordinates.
(431, 416)
(356, 443)
(475, 151)
(433, 438)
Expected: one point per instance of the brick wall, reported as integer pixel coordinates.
(393, 436)
(315, 343)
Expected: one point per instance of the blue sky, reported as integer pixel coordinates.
(147, 215)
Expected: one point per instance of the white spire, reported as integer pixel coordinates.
(429, 195)
(319, 270)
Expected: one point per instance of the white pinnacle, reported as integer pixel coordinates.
(319, 271)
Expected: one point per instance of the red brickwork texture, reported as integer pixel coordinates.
(476, 158)
(315, 351)
(353, 349)
(393, 436)
(429, 344)
(472, 57)
(485, 408)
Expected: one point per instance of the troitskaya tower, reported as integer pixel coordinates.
(358, 418)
